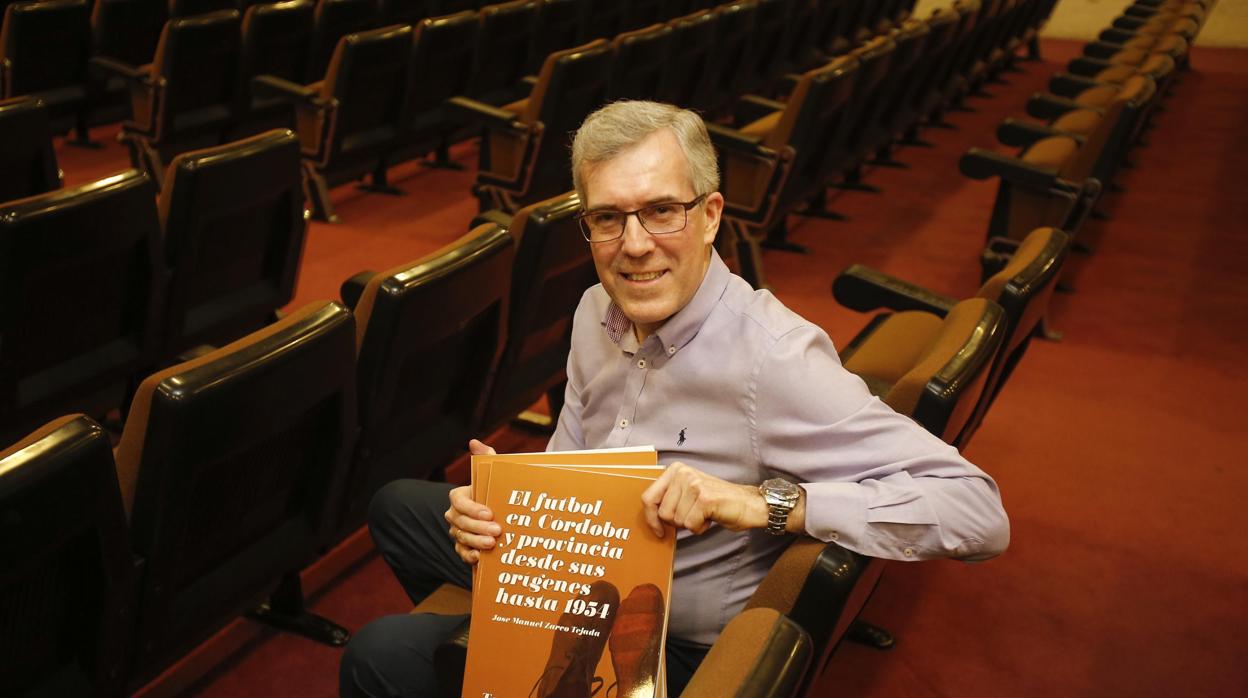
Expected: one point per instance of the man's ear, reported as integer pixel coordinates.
(713, 208)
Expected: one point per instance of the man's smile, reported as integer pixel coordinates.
(642, 276)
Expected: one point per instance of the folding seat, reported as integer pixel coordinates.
(428, 338)
(65, 594)
(776, 161)
(276, 39)
(524, 149)
(692, 44)
(558, 26)
(869, 98)
(501, 58)
(601, 19)
(642, 58)
(44, 48)
(807, 23)
(28, 165)
(945, 78)
(402, 12)
(332, 20)
(1021, 288)
(442, 51)
(892, 113)
(1086, 73)
(552, 269)
(447, 7)
(769, 44)
(1175, 14)
(641, 13)
(125, 31)
(185, 99)
(233, 229)
(728, 70)
(190, 8)
(919, 97)
(79, 288)
(351, 119)
(231, 468)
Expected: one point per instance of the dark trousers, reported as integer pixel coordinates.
(393, 655)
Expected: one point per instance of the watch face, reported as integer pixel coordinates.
(780, 492)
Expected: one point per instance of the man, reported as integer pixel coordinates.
(764, 433)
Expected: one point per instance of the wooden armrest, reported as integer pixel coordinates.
(273, 86)
(979, 163)
(1116, 36)
(753, 107)
(1069, 85)
(1021, 134)
(1101, 49)
(116, 68)
(353, 288)
(1049, 107)
(760, 653)
(490, 116)
(865, 289)
(500, 218)
(1088, 66)
(734, 141)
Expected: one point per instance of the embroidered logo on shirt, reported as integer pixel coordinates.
(680, 440)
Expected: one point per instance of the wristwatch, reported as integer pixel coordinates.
(781, 496)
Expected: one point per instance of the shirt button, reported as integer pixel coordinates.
(835, 536)
(671, 350)
(908, 552)
(624, 425)
(641, 363)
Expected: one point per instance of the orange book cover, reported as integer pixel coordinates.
(573, 601)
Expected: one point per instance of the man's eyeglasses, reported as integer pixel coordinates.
(658, 219)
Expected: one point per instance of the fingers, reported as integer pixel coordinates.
(471, 525)
(477, 448)
(653, 497)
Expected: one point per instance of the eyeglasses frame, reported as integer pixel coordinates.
(687, 205)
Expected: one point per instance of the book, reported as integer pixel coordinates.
(573, 601)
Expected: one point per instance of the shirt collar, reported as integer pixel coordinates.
(684, 325)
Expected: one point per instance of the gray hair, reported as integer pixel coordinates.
(621, 125)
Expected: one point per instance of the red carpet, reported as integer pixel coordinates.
(1115, 449)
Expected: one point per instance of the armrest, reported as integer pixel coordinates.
(1087, 66)
(1069, 85)
(759, 653)
(1138, 11)
(116, 68)
(753, 107)
(1101, 49)
(450, 657)
(500, 218)
(1128, 23)
(273, 86)
(1021, 134)
(471, 110)
(996, 255)
(1116, 36)
(353, 288)
(864, 289)
(530, 80)
(978, 163)
(734, 141)
(1049, 107)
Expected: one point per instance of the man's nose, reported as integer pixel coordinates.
(637, 241)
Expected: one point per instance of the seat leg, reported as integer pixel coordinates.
(316, 189)
(863, 633)
(82, 135)
(884, 158)
(853, 181)
(285, 611)
(750, 260)
(442, 158)
(1033, 49)
(778, 239)
(379, 182)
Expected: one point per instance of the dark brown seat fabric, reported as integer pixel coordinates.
(276, 40)
(79, 296)
(186, 98)
(642, 58)
(692, 44)
(558, 26)
(429, 336)
(190, 8)
(65, 604)
(28, 163)
(727, 72)
(349, 121)
(553, 267)
(231, 469)
(332, 20)
(234, 230)
(44, 48)
(500, 60)
(128, 30)
(523, 157)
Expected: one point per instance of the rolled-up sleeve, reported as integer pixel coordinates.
(877, 482)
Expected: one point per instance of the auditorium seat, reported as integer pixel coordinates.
(870, 93)
(429, 336)
(914, 101)
(553, 268)
(351, 119)
(126, 31)
(185, 98)
(692, 44)
(234, 229)
(231, 468)
(500, 60)
(1020, 279)
(44, 48)
(601, 19)
(642, 57)
(945, 79)
(558, 26)
(401, 12)
(65, 594)
(769, 44)
(441, 64)
(190, 8)
(728, 69)
(276, 39)
(641, 13)
(775, 162)
(28, 164)
(79, 297)
(761, 652)
(332, 20)
(524, 151)
(890, 106)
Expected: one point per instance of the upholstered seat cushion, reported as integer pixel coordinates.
(446, 600)
(1080, 122)
(893, 348)
(1050, 152)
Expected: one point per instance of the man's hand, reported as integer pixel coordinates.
(472, 524)
(689, 498)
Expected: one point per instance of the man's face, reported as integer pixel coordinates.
(651, 277)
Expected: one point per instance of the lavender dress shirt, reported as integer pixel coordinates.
(740, 387)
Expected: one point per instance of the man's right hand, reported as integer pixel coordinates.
(472, 524)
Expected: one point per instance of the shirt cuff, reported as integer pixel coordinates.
(836, 512)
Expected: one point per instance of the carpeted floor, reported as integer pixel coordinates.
(1115, 449)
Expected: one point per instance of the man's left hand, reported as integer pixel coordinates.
(689, 498)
